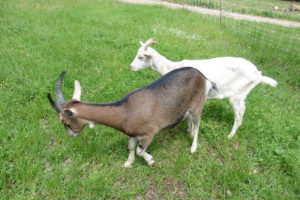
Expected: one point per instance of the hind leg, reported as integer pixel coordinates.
(190, 125)
(195, 130)
(196, 111)
(239, 108)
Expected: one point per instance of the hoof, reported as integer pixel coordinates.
(127, 164)
(192, 151)
(230, 136)
(151, 163)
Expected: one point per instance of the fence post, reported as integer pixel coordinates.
(220, 7)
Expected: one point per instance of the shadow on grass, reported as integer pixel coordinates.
(218, 110)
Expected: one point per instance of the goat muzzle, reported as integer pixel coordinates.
(131, 68)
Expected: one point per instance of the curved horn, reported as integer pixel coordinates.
(149, 43)
(53, 104)
(59, 96)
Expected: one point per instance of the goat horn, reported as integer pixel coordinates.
(53, 104)
(59, 96)
(149, 43)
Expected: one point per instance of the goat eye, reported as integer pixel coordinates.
(66, 125)
(140, 57)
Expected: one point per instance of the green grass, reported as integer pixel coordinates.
(253, 7)
(95, 41)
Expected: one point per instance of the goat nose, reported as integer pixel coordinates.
(131, 68)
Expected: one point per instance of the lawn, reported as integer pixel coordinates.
(253, 7)
(95, 41)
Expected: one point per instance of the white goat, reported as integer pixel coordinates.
(141, 113)
(234, 77)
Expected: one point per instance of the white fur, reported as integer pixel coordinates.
(149, 159)
(131, 146)
(234, 77)
(139, 151)
(195, 128)
(91, 124)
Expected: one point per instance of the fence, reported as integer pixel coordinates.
(264, 22)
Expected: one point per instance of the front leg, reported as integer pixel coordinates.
(141, 150)
(131, 146)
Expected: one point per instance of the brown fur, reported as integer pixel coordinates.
(148, 110)
(144, 112)
(294, 7)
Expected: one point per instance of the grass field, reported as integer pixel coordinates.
(95, 41)
(253, 7)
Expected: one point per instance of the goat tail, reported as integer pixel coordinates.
(268, 80)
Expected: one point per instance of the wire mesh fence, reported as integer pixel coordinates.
(271, 8)
(264, 22)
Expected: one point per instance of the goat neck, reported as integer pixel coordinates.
(105, 114)
(161, 64)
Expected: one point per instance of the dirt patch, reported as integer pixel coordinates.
(67, 162)
(170, 186)
(175, 188)
(44, 124)
(151, 193)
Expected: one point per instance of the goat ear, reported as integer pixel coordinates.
(77, 91)
(141, 43)
(70, 113)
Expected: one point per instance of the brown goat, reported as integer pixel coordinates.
(141, 113)
(294, 7)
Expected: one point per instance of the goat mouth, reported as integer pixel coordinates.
(71, 133)
(131, 68)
